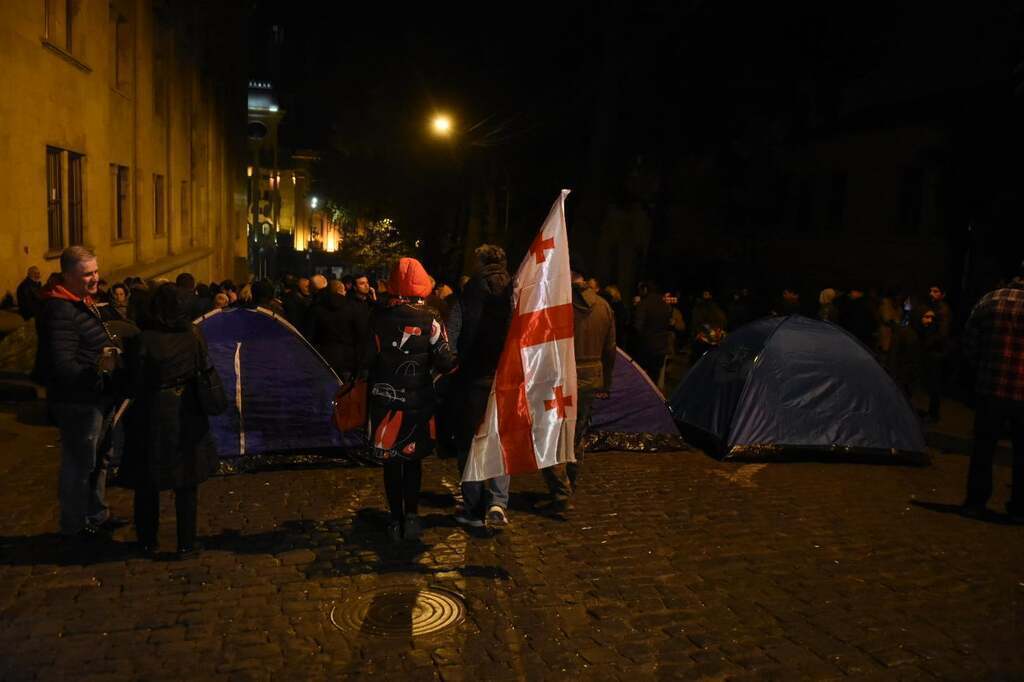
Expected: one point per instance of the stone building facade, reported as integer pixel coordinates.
(123, 129)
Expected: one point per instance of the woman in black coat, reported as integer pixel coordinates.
(168, 443)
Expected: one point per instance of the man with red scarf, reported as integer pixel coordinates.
(76, 361)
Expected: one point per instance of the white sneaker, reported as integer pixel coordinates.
(496, 516)
(463, 517)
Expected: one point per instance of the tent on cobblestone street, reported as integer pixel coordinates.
(789, 386)
(282, 391)
(635, 417)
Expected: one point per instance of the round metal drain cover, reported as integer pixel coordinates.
(400, 612)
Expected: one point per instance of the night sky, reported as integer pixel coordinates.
(586, 95)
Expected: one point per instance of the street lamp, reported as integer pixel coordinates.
(441, 125)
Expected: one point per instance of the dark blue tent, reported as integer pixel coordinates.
(785, 385)
(282, 391)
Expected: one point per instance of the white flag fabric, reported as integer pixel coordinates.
(531, 413)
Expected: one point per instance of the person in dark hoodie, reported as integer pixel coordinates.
(594, 348)
(485, 311)
(412, 348)
(339, 329)
(77, 361)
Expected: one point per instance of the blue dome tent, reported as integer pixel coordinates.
(785, 386)
(281, 390)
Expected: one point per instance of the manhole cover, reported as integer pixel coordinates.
(400, 612)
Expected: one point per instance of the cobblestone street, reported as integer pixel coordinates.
(671, 565)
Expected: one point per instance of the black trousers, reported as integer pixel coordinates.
(990, 416)
(147, 514)
(402, 481)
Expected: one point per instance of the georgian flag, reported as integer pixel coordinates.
(531, 413)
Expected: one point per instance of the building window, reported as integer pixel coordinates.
(76, 213)
(159, 209)
(55, 197)
(120, 177)
(59, 23)
(65, 196)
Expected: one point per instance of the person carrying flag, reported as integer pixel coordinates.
(594, 345)
(530, 417)
(486, 309)
(411, 347)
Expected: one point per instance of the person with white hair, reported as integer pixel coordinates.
(828, 311)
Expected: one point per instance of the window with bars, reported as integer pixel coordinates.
(120, 177)
(55, 197)
(159, 208)
(65, 198)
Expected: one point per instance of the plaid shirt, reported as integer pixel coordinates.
(994, 342)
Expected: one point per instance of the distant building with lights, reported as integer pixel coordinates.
(121, 131)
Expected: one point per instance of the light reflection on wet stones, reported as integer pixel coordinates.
(400, 612)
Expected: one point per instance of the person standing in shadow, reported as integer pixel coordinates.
(168, 442)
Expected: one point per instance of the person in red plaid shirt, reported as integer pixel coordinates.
(994, 343)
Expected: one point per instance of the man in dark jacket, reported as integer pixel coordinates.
(28, 293)
(486, 311)
(652, 322)
(994, 343)
(296, 303)
(76, 361)
(594, 346)
(857, 316)
(339, 329)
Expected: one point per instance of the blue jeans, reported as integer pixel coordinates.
(85, 450)
(477, 496)
(474, 499)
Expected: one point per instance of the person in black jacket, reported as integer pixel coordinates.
(652, 322)
(168, 443)
(28, 293)
(77, 362)
(411, 349)
(486, 311)
(857, 316)
(340, 331)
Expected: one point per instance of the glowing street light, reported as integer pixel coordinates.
(313, 201)
(441, 124)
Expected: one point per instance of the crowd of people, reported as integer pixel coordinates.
(125, 359)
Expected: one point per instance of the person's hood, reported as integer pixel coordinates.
(494, 278)
(333, 301)
(62, 293)
(583, 298)
(410, 280)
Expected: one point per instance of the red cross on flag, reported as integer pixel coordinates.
(531, 413)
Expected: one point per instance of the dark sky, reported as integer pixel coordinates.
(580, 94)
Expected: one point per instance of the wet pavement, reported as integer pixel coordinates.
(672, 565)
